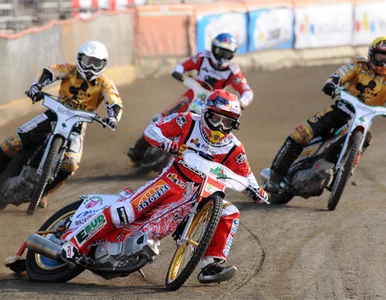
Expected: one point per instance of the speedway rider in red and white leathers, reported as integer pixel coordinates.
(214, 71)
(209, 133)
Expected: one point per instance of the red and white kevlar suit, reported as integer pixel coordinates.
(157, 197)
(217, 79)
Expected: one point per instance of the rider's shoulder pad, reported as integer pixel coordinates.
(204, 53)
(235, 140)
(234, 68)
(193, 116)
(360, 60)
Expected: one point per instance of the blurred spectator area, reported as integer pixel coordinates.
(17, 15)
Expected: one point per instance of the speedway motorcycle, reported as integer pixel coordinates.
(327, 163)
(31, 170)
(127, 250)
(156, 159)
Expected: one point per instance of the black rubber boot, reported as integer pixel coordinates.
(4, 160)
(287, 154)
(214, 272)
(136, 152)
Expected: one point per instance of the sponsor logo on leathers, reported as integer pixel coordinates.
(91, 229)
(151, 195)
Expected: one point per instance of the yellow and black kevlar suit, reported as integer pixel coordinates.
(76, 93)
(359, 80)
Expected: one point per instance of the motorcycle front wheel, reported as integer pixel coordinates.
(198, 238)
(49, 165)
(343, 175)
(41, 268)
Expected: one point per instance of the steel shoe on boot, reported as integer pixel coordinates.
(216, 273)
(273, 184)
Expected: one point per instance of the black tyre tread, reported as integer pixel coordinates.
(62, 274)
(202, 246)
(48, 166)
(348, 165)
(280, 199)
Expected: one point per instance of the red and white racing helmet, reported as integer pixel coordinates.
(221, 114)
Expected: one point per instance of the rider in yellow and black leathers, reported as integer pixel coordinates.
(365, 78)
(84, 87)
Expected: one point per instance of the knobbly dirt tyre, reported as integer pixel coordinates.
(47, 169)
(209, 214)
(40, 268)
(343, 175)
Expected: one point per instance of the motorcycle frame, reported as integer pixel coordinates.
(362, 119)
(66, 117)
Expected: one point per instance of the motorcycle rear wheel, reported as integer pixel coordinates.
(41, 268)
(190, 252)
(343, 175)
(49, 165)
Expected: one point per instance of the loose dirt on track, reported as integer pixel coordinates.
(297, 251)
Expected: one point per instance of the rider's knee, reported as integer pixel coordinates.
(368, 140)
(302, 134)
(10, 147)
(229, 209)
(71, 162)
(122, 213)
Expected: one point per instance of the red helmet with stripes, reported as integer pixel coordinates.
(221, 114)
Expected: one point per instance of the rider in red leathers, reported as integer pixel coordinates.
(209, 133)
(214, 71)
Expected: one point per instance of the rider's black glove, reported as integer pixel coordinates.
(111, 121)
(177, 75)
(34, 93)
(329, 89)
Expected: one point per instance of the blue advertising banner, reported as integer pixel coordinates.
(271, 29)
(210, 26)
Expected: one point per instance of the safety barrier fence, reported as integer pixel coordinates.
(147, 36)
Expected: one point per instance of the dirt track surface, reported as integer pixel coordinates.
(296, 251)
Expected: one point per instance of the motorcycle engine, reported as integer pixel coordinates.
(311, 182)
(15, 190)
(119, 254)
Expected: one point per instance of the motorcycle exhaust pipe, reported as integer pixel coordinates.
(43, 246)
(265, 174)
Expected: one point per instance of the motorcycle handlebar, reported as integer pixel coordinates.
(96, 118)
(184, 147)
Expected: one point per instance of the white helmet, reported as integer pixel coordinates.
(91, 60)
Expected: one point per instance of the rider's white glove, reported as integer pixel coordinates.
(169, 146)
(261, 196)
(156, 118)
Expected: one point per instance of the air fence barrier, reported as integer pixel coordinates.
(150, 39)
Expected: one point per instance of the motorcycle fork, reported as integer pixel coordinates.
(189, 221)
(192, 214)
(45, 154)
